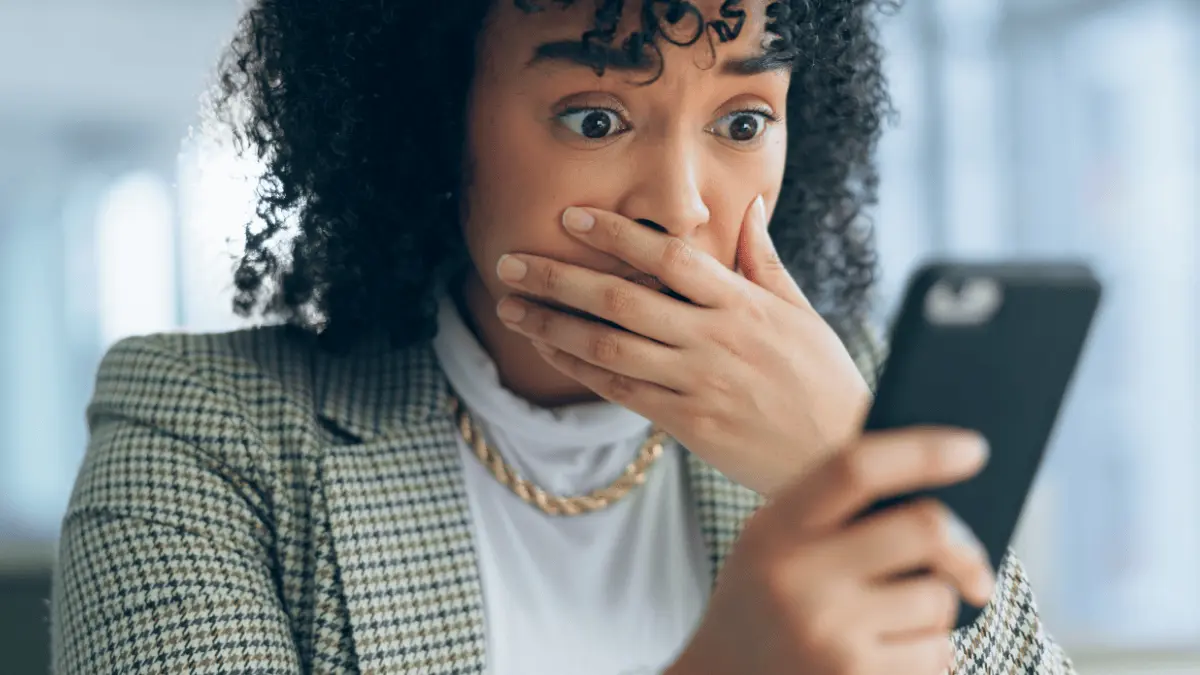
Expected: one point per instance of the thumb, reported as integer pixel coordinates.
(758, 261)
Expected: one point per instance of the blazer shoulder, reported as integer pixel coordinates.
(196, 384)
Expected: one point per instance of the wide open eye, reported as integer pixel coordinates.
(743, 126)
(593, 123)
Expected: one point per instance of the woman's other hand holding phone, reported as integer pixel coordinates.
(812, 588)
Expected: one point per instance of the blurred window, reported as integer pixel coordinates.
(217, 199)
(1105, 163)
(135, 258)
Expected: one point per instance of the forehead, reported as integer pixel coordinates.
(518, 33)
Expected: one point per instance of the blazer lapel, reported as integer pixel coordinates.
(398, 516)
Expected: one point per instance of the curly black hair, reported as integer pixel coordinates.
(358, 213)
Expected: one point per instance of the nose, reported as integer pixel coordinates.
(666, 190)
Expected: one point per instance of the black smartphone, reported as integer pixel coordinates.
(990, 347)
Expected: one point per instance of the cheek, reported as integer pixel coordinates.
(738, 181)
(521, 182)
(512, 199)
(775, 164)
(768, 174)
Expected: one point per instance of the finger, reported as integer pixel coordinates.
(633, 307)
(647, 399)
(918, 535)
(932, 655)
(913, 608)
(951, 551)
(758, 261)
(682, 267)
(612, 349)
(880, 465)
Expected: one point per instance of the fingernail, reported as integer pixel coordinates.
(971, 450)
(511, 269)
(578, 220)
(760, 211)
(982, 449)
(510, 310)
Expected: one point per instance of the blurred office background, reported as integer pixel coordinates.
(1026, 128)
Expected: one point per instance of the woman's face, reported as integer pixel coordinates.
(690, 151)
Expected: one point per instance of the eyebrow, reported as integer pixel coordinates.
(576, 53)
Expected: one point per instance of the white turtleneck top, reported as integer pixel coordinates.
(614, 592)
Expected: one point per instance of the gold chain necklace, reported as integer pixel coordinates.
(633, 476)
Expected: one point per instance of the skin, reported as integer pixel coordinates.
(749, 363)
(672, 167)
(809, 588)
(744, 372)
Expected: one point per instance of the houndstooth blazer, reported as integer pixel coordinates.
(248, 504)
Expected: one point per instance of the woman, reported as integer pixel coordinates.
(547, 399)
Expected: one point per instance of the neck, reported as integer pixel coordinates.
(522, 370)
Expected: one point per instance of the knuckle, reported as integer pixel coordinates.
(551, 278)
(542, 323)
(754, 311)
(826, 623)
(818, 631)
(618, 301)
(663, 318)
(614, 229)
(746, 305)
(776, 580)
(677, 254)
(604, 348)
(730, 344)
(937, 600)
(928, 518)
(621, 388)
(713, 382)
(855, 470)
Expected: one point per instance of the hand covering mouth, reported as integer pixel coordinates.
(655, 284)
(641, 279)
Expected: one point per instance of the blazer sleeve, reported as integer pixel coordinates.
(165, 562)
(1009, 636)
